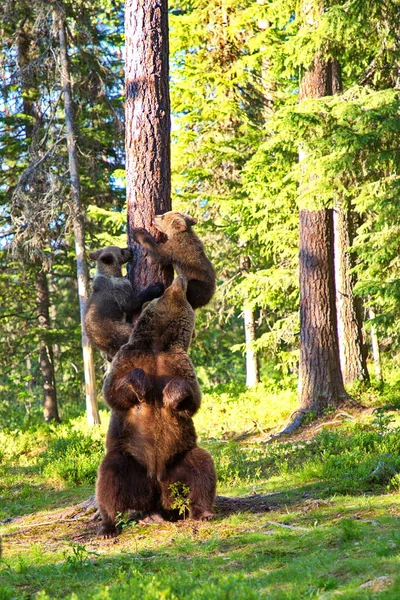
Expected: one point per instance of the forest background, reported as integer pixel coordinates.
(280, 109)
(237, 129)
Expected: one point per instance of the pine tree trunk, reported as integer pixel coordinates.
(148, 169)
(349, 310)
(320, 381)
(252, 368)
(46, 357)
(46, 360)
(78, 220)
(320, 377)
(376, 354)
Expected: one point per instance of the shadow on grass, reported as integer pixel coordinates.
(21, 497)
(226, 564)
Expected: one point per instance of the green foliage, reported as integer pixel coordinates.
(73, 459)
(180, 497)
(79, 557)
(34, 215)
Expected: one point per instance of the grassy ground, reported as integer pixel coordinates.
(332, 528)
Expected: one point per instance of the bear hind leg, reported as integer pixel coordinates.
(195, 470)
(122, 485)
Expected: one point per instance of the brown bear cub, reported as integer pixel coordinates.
(184, 251)
(151, 442)
(112, 303)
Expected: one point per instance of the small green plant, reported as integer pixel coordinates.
(382, 420)
(123, 521)
(180, 497)
(79, 557)
(349, 530)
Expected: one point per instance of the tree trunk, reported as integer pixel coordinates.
(148, 169)
(252, 369)
(376, 354)
(320, 377)
(46, 360)
(320, 381)
(351, 347)
(78, 220)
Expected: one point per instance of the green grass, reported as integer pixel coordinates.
(333, 523)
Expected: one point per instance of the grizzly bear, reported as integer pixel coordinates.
(153, 393)
(112, 304)
(184, 251)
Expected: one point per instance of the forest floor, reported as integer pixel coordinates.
(315, 515)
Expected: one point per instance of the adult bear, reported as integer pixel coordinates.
(151, 442)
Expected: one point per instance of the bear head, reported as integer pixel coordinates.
(166, 322)
(173, 222)
(110, 260)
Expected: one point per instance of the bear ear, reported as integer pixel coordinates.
(107, 258)
(95, 255)
(189, 220)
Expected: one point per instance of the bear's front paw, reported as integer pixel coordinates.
(177, 395)
(140, 383)
(156, 289)
(141, 236)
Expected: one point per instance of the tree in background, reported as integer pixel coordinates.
(320, 376)
(78, 217)
(29, 203)
(349, 307)
(220, 100)
(95, 37)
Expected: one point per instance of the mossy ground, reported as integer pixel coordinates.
(332, 528)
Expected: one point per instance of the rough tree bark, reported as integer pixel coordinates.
(147, 109)
(77, 214)
(320, 377)
(46, 357)
(349, 308)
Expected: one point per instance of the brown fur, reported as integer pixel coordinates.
(153, 393)
(113, 304)
(184, 251)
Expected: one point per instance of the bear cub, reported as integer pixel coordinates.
(153, 393)
(184, 251)
(112, 304)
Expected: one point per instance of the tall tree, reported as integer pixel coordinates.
(32, 125)
(77, 214)
(147, 114)
(320, 377)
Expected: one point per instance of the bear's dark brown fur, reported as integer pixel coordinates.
(153, 393)
(112, 304)
(184, 251)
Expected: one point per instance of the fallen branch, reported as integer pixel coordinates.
(293, 423)
(44, 524)
(260, 429)
(276, 524)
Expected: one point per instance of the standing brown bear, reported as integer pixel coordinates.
(112, 304)
(184, 251)
(151, 442)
